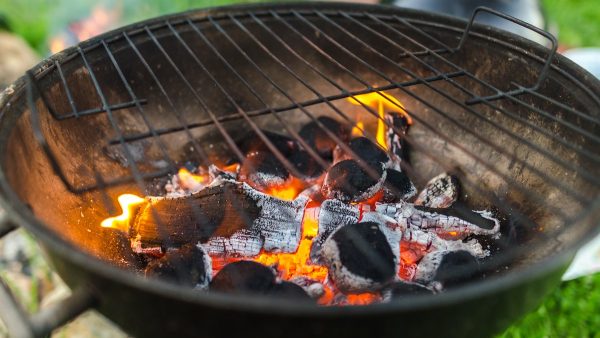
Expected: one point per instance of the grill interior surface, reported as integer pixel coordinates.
(140, 96)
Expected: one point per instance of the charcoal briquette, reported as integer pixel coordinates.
(364, 150)
(359, 258)
(188, 265)
(262, 170)
(319, 140)
(397, 187)
(457, 267)
(348, 181)
(244, 277)
(289, 290)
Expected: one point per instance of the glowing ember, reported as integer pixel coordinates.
(128, 203)
(288, 191)
(380, 101)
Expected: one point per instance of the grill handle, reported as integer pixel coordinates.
(22, 325)
(545, 68)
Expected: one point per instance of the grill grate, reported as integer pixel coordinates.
(344, 41)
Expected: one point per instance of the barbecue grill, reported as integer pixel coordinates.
(517, 123)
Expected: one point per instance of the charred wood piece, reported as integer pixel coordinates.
(397, 187)
(440, 192)
(366, 151)
(445, 226)
(396, 142)
(189, 265)
(244, 277)
(228, 217)
(359, 258)
(348, 181)
(262, 170)
(333, 214)
(319, 140)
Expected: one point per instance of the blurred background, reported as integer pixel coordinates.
(33, 29)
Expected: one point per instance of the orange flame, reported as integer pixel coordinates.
(287, 191)
(128, 203)
(380, 101)
(99, 21)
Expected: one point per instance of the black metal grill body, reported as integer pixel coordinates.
(518, 123)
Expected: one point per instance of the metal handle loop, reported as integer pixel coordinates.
(22, 325)
(547, 63)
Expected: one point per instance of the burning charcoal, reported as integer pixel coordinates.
(252, 143)
(439, 221)
(188, 265)
(244, 277)
(359, 258)
(401, 289)
(457, 267)
(262, 170)
(347, 181)
(448, 268)
(289, 290)
(397, 187)
(306, 165)
(366, 151)
(318, 139)
(440, 192)
(396, 141)
(231, 216)
(333, 215)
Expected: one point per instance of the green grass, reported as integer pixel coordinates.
(573, 310)
(578, 21)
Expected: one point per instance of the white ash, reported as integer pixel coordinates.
(428, 266)
(207, 260)
(277, 228)
(440, 192)
(332, 215)
(366, 194)
(443, 225)
(243, 242)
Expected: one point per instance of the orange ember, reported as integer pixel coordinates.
(128, 203)
(363, 298)
(410, 255)
(380, 101)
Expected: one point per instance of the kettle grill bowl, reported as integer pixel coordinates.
(537, 247)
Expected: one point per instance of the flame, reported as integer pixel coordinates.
(380, 101)
(358, 129)
(99, 21)
(128, 203)
(287, 191)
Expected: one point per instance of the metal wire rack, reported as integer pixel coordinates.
(343, 41)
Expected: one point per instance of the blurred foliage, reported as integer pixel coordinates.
(572, 310)
(578, 21)
(38, 20)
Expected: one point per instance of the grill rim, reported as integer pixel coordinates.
(19, 214)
